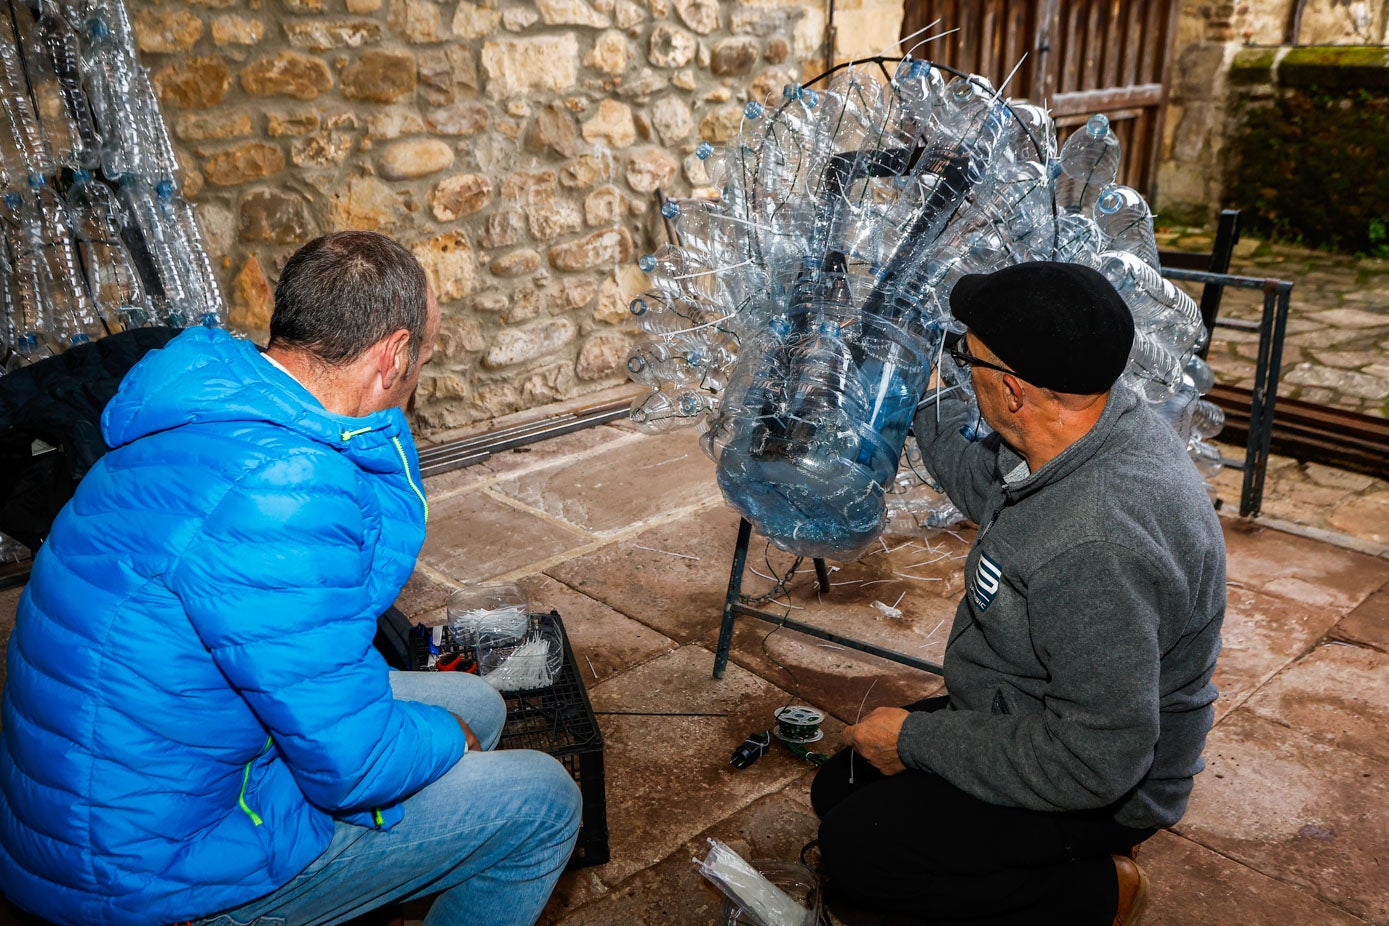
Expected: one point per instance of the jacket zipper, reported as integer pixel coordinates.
(246, 780)
(405, 462)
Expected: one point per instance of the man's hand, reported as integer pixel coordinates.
(875, 738)
(473, 743)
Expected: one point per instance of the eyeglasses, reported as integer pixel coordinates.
(964, 359)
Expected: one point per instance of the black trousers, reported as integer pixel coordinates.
(917, 847)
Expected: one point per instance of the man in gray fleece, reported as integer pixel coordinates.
(1079, 664)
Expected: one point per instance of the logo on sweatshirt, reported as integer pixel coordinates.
(987, 577)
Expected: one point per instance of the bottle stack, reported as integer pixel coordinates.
(798, 316)
(96, 237)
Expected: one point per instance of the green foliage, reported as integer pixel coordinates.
(1310, 165)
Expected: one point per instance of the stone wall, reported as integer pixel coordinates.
(1191, 176)
(514, 146)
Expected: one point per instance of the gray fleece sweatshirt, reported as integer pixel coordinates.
(1079, 664)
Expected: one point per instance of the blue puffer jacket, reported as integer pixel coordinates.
(193, 696)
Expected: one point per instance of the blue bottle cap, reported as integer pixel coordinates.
(647, 262)
(635, 364)
(753, 110)
(704, 151)
(637, 306)
(791, 91)
(670, 209)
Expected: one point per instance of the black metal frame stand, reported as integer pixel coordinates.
(733, 606)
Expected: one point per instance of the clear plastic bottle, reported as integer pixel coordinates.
(1156, 303)
(1126, 223)
(63, 140)
(111, 276)
(111, 81)
(25, 133)
(29, 311)
(1089, 162)
(153, 220)
(1207, 419)
(920, 88)
(55, 33)
(207, 294)
(74, 318)
(658, 412)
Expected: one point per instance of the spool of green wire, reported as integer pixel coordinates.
(799, 724)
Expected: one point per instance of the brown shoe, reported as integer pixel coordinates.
(1133, 891)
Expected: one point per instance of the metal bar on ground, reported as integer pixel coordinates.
(847, 642)
(457, 454)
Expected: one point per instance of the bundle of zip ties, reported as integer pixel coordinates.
(761, 901)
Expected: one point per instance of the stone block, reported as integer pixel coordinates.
(419, 21)
(217, 125)
(671, 47)
(627, 14)
(616, 292)
(459, 196)
(604, 354)
(252, 299)
(604, 206)
(471, 21)
(274, 215)
(459, 119)
(778, 50)
(530, 187)
(721, 124)
(166, 31)
(360, 7)
(553, 129)
(670, 116)
(516, 263)
(379, 77)
(393, 123)
(577, 292)
(531, 341)
(514, 67)
(193, 83)
(319, 35)
(650, 168)
(365, 203)
(231, 29)
(289, 73)
(329, 146)
(571, 13)
(552, 220)
(407, 160)
(503, 229)
(603, 248)
(460, 336)
(283, 124)
(586, 170)
(447, 74)
(702, 16)
(448, 260)
(519, 19)
(249, 161)
(734, 57)
(610, 53)
(611, 125)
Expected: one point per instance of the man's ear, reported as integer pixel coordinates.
(393, 360)
(1013, 392)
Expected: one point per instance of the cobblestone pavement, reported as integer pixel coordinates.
(1337, 347)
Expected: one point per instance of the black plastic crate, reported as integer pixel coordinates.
(557, 719)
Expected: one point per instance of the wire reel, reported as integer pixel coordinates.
(799, 724)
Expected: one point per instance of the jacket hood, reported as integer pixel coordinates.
(207, 376)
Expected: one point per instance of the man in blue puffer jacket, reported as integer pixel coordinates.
(196, 724)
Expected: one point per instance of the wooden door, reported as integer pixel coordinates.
(1082, 57)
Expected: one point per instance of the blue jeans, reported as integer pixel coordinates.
(490, 837)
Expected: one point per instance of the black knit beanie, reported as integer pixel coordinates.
(1060, 326)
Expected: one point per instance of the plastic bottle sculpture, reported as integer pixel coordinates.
(798, 316)
(80, 260)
